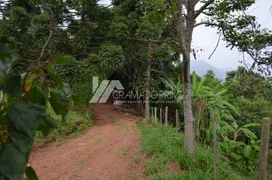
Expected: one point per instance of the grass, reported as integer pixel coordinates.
(122, 152)
(136, 160)
(163, 145)
(75, 126)
(84, 161)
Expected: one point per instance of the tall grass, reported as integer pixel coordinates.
(163, 145)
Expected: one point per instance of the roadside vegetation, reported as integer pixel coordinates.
(164, 146)
(76, 125)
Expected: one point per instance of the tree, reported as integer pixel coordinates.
(211, 80)
(221, 14)
(143, 29)
(251, 94)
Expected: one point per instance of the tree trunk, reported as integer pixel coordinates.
(189, 130)
(147, 90)
(185, 26)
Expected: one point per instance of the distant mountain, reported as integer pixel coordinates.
(201, 67)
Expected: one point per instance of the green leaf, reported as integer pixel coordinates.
(54, 76)
(235, 156)
(252, 125)
(22, 118)
(200, 85)
(31, 174)
(59, 103)
(235, 144)
(64, 118)
(36, 96)
(249, 133)
(60, 59)
(44, 121)
(12, 162)
(223, 91)
(12, 86)
(247, 151)
(14, 156)
(76, 99)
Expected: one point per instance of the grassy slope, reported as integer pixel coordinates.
(165, 145)
(75, 126)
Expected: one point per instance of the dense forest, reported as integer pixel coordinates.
(51, 50)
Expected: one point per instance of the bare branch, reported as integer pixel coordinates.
(198, 12)
(50, 35)
(219, 38)
(244, 61)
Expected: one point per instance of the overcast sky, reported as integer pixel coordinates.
(206, 38)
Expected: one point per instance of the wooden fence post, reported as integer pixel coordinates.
(156, 115)
(214, 147)
(264, 148)
(177, 120)
(151, 113)
(166, 116)
(161, 115)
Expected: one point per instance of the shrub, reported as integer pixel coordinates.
(76, 124)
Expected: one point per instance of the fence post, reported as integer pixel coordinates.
(177, 120)
(214, 147)
(161, 115)
(156, 115)
(166, 116)
(151, 113)
(264, 148)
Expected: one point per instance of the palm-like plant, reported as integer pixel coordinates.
(237, 148)
(206, 101)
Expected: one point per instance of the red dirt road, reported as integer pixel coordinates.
(109, 150)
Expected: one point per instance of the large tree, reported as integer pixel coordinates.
(239, 30)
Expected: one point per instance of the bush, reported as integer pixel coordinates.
(76, 124)
(79, 75)
(84, 92)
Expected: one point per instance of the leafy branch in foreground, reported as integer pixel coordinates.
(23, 106)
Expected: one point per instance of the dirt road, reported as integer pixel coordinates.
(109, 150)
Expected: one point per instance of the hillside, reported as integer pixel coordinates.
(201, 67)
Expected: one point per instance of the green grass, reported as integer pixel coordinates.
(163, 145)
(136, 159)
(75, 126)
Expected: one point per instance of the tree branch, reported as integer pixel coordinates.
(50, 35)
(198, 12)
(216, 46)
(205, 23)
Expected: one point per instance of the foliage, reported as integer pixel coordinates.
(242, 31)
(23, 112)
(240, 144)
(75, 125)
(164, 145)
(112, 43)
(109, 58)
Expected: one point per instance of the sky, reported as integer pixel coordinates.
(206, 38)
